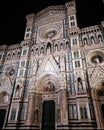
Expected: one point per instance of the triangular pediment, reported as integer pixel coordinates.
(50, 10)
(48, 66)
(97, 75)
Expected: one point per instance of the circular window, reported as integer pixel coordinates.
(9, 71)
(51, 34)
(95, 57)
(51, 31)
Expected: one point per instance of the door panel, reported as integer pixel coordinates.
(102, 108)
(2, 117)
(48, 115)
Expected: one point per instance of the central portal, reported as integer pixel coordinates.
(48, 115)
(2, 117)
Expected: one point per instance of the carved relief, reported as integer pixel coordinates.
(49, 87)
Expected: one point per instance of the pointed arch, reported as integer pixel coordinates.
(67, 45)
(98, 103)
(85, 41)
(79, 84)
(61, 46)
(92, 38)
(56, 47)
(41, 50)
(100, 38)
(18, 54)
(14, 55)
(49, 66)
(44, 80)
(32, 51)
(37, 51)
(18, 90)
(48, 48)
(9, 56)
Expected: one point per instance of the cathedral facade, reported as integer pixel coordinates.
(54, 78)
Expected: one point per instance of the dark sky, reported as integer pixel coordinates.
(13, 15)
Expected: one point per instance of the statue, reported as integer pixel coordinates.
(5, 99)
(58, 115)
(80, 84)
(36, 116)
(17, 92)
(48, 48)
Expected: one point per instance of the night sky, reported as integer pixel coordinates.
(13, 15)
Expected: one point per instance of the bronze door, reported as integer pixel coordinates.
(2, 117)
(48, 115)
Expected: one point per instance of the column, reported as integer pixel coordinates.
(64, 109)
(30, 108)
(97, 110)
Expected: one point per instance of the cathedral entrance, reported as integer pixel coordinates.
(2, 117)
(48, 115)
(102, 108)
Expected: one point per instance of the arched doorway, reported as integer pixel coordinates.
(101, 101)
(48, 86)
(48, 115)
(2, 117)
(4, 100)
(98, 101)
(50, 101)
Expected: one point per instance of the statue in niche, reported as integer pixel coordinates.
(32, 52)
(80, 84)
(48, 48)
(17, 92)
(61, 46)
(67, 45)
(36, 116)
(8, 57)
(58, 115)
(85, 41)
(92, 40)
(99, 38)
(36, 65)
(18, 54)
(56, 47)
(5, 99)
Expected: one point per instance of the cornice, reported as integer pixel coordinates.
(91, 29)
(50, 8)
(26, 43)
(3, 47)
(14, 47)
